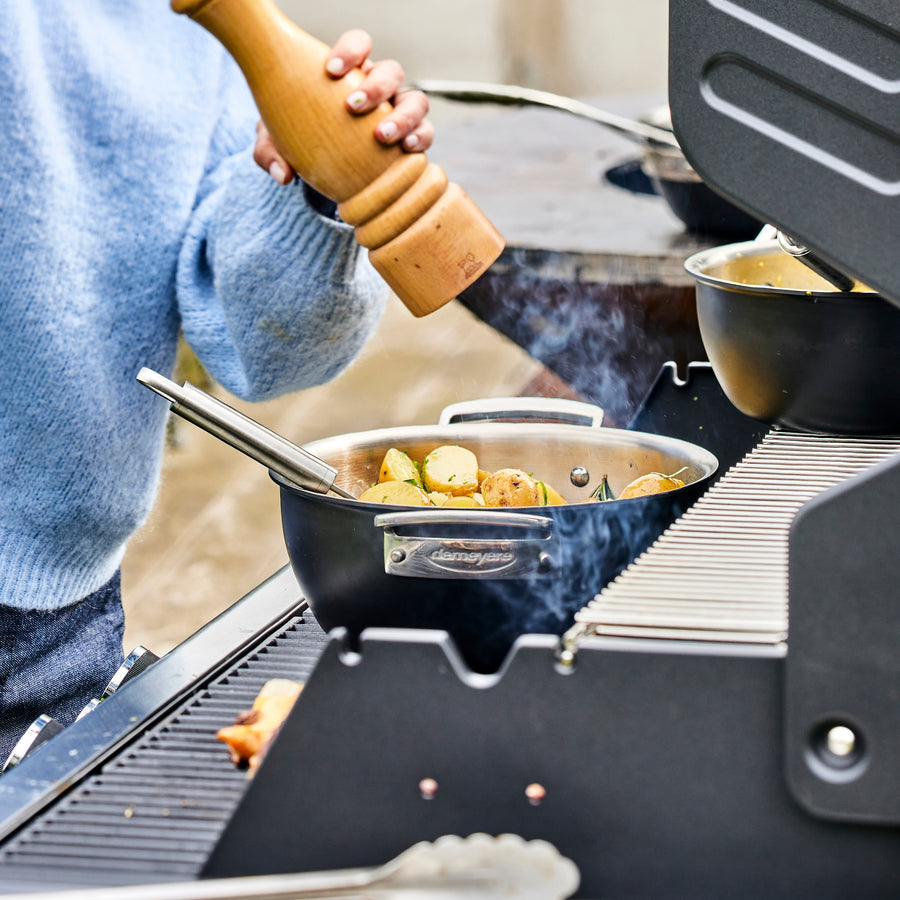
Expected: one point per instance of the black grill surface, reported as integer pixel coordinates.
(155, 811)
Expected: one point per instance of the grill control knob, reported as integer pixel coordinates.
(38, 732)
(136, 662)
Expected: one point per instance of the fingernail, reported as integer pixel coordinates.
(335, 66)
(278, 171)
(411, 141)
(357, 99)
(387, 130)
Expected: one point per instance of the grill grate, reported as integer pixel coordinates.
(155, 812)
(720, 572)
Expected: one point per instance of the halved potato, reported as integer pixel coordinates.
(510, 487)
(397, 466)
(451, 469)
(396, 493)
(463, 501)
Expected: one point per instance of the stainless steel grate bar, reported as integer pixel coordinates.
(720, 572)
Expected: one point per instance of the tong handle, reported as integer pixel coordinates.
(245, 434)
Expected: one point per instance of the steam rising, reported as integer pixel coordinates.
(596, 542)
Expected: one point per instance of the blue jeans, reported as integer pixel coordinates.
(55, 661)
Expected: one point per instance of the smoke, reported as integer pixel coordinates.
(607, 340)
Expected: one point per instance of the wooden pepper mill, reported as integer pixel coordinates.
(425, 236)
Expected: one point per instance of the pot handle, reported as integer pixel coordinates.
(498, 409)
(458, 557)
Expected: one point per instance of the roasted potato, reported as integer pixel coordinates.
(510, 487)
(396, 493)
(463, 501)
(398, 466)
(549, 496)
(450, 469)
(450, 476)
(652, 483)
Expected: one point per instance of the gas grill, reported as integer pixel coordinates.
(721, 719)
(652, 729)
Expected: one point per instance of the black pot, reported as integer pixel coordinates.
(789, 349)
(486, 576)
(699, 207)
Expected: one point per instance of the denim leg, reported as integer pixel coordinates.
(55, 661)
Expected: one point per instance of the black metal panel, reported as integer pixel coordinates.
(844, 662)
(789, 108)
(662, 769)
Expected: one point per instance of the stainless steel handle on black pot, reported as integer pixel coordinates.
(513, 95)
(815, 262)
(241, 432)
(803, 254)
(530, 409)
(462, 556)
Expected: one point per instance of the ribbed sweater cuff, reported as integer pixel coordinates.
(291, 217)
(35, 575)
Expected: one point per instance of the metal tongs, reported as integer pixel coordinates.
(451, 868)
(293, 463)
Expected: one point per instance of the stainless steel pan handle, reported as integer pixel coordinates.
(458, 555)
(543, 409)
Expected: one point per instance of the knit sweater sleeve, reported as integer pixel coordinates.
(273, 296)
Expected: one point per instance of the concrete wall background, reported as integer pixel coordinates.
(571, 47)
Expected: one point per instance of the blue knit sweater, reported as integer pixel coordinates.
(130, 207)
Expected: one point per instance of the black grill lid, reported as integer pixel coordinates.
(790, 109)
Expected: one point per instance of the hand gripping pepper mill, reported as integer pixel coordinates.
(425, 236)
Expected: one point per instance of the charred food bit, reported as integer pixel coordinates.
(254, 729)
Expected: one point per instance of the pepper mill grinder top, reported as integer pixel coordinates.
(425, 236)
